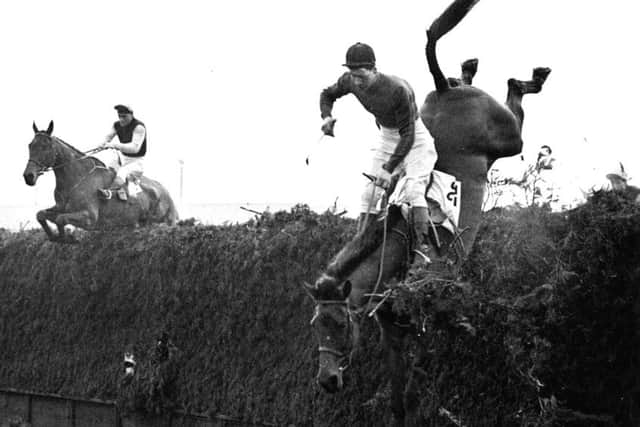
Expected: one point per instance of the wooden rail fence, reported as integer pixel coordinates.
(52, 410)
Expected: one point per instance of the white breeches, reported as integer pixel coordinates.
(130, 166)
(416, 167)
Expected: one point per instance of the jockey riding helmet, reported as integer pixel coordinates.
(360, 55)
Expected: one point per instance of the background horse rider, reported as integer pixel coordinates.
(618, 179)
(405, 145)
(132, 135)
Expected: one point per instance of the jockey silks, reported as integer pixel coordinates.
(125, 135)
(390, 99)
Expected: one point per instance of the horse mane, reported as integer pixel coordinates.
(75, 150)
(69, 146)
(362, 245)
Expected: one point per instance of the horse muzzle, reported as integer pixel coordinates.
(331, 383)
(330, 374)
(30, 177)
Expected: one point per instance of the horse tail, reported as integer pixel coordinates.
(162, 208)
(441, 26)
(171, 217)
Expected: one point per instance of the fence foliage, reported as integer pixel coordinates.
(543, 331)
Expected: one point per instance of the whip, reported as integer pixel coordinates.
(313, 146)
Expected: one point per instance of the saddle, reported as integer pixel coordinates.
(442, 194)
(443, 205)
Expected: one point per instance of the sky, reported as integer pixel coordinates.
(232, 88)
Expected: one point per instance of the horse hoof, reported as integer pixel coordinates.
(524, 87)
(540, 74)
(470, 66)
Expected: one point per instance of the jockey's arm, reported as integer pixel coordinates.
(109, 136)
(406, 127)
(136, 141)
(333, 92)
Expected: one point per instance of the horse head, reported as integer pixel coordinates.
(335, 328)
(42, 154)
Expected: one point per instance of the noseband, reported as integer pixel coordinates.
(41, 169)
(342, 356)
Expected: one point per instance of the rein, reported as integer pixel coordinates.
(351, 313)
(384, 238)
(381, 264)
(86, 155)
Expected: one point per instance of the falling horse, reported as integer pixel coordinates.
(78, 177)
(470, 130)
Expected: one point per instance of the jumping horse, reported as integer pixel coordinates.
(78, 177)
(471, 130)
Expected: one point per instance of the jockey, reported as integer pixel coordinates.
(544, 186)
(132, 135)
(404, 145)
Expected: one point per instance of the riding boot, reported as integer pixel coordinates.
(122, 194)
(421, 248)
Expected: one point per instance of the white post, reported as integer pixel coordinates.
(181, 162)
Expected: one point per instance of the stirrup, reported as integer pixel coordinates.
(122, 194)
(104, 194)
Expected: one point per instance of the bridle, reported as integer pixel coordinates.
(341, 355)
(42, 168)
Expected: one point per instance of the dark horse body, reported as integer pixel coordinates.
(470, 130)
(78, 177)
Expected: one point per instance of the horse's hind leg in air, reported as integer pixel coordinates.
(469, 68)
(519, 88)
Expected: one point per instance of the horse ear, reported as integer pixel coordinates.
(621, 167)
(346, 289)
(310, 290)
(35, 128)
(50, 128)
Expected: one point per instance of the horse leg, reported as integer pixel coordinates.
(48, 215)
(83, 219)
(469, 70)
(519, 88)
(165, 211)
(171, 216)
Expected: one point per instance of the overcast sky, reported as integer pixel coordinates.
(232, 88)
